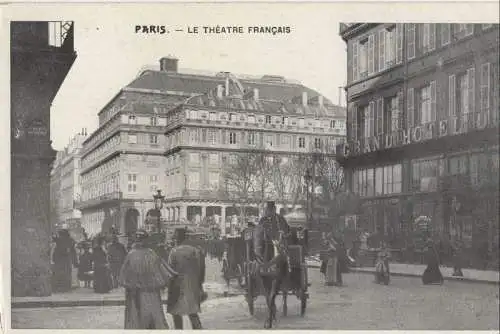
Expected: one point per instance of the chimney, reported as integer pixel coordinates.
(256, 94)
(168, 64)
(320, 100)
(219, 91)
(304, 98)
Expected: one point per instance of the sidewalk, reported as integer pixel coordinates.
(86, 297)
(416, 270)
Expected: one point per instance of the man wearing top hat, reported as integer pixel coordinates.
(266, 231)
(144, 275)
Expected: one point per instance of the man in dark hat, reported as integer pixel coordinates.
(185, 291)
(116, 254)
(267, 230)
(144, 275)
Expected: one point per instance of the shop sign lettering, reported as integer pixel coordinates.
(413, 135)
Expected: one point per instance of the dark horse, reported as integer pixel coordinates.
(273, 274)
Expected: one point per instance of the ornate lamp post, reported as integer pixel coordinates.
(158, 200)
(308, 179)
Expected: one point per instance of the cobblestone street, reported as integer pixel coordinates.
(403, 305)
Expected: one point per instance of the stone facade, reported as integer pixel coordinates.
(39, 65)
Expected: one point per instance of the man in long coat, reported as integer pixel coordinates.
(144, 275)
(116, 254)
(185, 290)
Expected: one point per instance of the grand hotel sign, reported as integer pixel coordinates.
(416, 134)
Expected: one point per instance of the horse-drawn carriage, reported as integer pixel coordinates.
(233, 261)
(296, 280)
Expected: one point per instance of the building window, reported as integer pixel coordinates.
(132, 120)
(284, 120)
(154, 121)
(251, 119)
(445, 34)
(317, 143)
(302, 142)
(428, 37)
(462, 91)
(425, 174)
(212, 116)
(411, 40)
(213, 180)
(194, 180)
(153, 139)
(269, 141)
(153, 183)
(214, 159)
(392, 117)
(379, 181)
(457, 165)
(479, 171)
(132, 139)
(285, 141)
(424, 96)
(332, 124)
(363, 58)
(132, 183)
(268, 119)
(392, 179)
(369, 120)
(232, 138)
(364, 182)
(232, 117)
(194, 136)
(464, 30)
(194, 158)
(211, 137)
(389, 50)
(486, 26)
(251, 138)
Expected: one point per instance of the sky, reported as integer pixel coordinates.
(110, 54)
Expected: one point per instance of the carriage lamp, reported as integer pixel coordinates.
(158, 200)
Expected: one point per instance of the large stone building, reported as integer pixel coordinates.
(42, 54)
(174, 131)
(423, 111)
(65, 183)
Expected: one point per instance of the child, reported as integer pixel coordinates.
(382, 273)
(85, 266)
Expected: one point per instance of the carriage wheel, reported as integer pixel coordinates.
(303, 303)
(225, 271)
(249, 293)
(303, 290)
(241, 276)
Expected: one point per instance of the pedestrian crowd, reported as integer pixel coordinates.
(144, 269)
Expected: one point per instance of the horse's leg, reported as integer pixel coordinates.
(268, 291)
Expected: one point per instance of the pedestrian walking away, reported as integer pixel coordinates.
(185, 290)
(144, 275)
(116, 255)
(432, 274)
(85, 265)
(102, 273)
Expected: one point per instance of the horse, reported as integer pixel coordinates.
(274, 274)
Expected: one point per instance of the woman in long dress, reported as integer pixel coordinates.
(332, 271)
(102, 272)
(63, 258)
(432, 274)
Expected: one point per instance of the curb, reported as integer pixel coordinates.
(446, 278)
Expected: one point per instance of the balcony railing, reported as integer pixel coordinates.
(43, 34)
(116, 195)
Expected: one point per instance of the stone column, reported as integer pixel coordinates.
(203, 211)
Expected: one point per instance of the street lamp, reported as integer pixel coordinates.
(158, 200)
(308, 179)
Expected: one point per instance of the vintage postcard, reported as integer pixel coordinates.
(248, 166)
